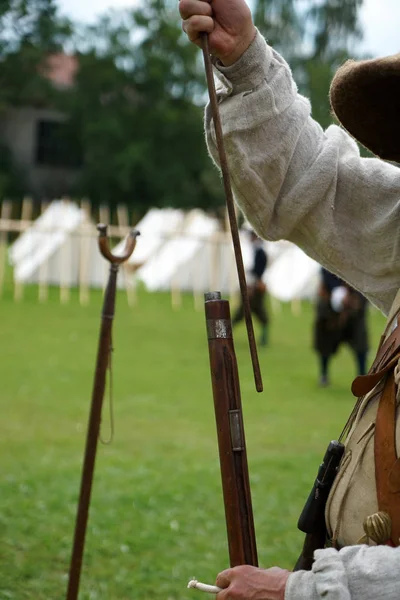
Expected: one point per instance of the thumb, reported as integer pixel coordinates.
(224, 579)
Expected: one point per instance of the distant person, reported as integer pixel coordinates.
(341, 317)
(256, 288)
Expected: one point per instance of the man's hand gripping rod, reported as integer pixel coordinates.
(103, 357)
(231, 210)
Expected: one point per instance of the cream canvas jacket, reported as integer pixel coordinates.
(297, 182)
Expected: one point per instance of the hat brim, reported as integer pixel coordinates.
(365, 97)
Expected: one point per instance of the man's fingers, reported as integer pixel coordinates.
(224, 578)
(189, 8)
(196, 25)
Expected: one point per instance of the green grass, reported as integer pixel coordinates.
(156, 516)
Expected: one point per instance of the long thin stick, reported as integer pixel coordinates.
(6, 211)
(102, 362)
(231, 211)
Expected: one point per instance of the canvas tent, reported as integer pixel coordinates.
(60, 248)
(292, 275)
(197, 258)
(155, 229)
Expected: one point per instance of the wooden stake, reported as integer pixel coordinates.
(26, 217)
(128, 277)
(296, 306)
(65, 267)
(84, 253)
(104, 214)
(44, 269)
(6, 209)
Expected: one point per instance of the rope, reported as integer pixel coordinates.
(111, 399)
(397, 380)
(203, 587)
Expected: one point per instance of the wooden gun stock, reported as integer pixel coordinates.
(230, 432)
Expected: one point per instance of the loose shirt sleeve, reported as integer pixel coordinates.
(297, 182)
(353, 573)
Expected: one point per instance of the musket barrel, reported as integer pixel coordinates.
(230, 433)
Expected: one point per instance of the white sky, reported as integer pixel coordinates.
(380, 19)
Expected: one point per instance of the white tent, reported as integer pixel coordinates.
(198, 258)
(155, 228)
(60, 248)
(176, 250)
(292, 275)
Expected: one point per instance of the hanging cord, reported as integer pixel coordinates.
(110, 399)
(350, 421)
(397, 381)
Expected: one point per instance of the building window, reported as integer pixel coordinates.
(55, 147)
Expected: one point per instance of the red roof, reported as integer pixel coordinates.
(61, 69)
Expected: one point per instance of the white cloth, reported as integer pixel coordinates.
(294, 181)
(353, 573)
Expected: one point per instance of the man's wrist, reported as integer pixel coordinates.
(241, 48)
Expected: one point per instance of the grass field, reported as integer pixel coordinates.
(157, 515)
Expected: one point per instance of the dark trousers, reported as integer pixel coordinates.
(257, 305)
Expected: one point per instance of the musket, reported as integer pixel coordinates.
(230, 433)
(93, 430)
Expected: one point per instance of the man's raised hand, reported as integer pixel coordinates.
(228, 23)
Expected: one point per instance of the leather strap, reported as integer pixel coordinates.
(365, 383)
(387, 465)
(386, 350)
(387, 355)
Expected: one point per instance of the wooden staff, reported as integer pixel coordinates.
(230, 432)
(129, 276)
(85, 242)
(43, 288)
(6, 212)
(231, 210)
(26, 216)
(103, 357)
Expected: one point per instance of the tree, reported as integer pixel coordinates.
(314, 37)
(30, 30)
(133, 108)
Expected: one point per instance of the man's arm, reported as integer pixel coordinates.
(294, 181)
(353, 573)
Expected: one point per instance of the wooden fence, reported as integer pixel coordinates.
(15, 220)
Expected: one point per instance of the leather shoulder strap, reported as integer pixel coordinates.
(387, 465)
(388, 353)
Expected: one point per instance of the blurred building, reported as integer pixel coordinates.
(33, 135)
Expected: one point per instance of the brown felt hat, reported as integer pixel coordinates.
(365, 97)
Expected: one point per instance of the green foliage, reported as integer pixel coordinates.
(29, 31)
(33, 23)
(133, 105)
(156, 517)
(314, 37)
(11, 179)
(136, 108)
